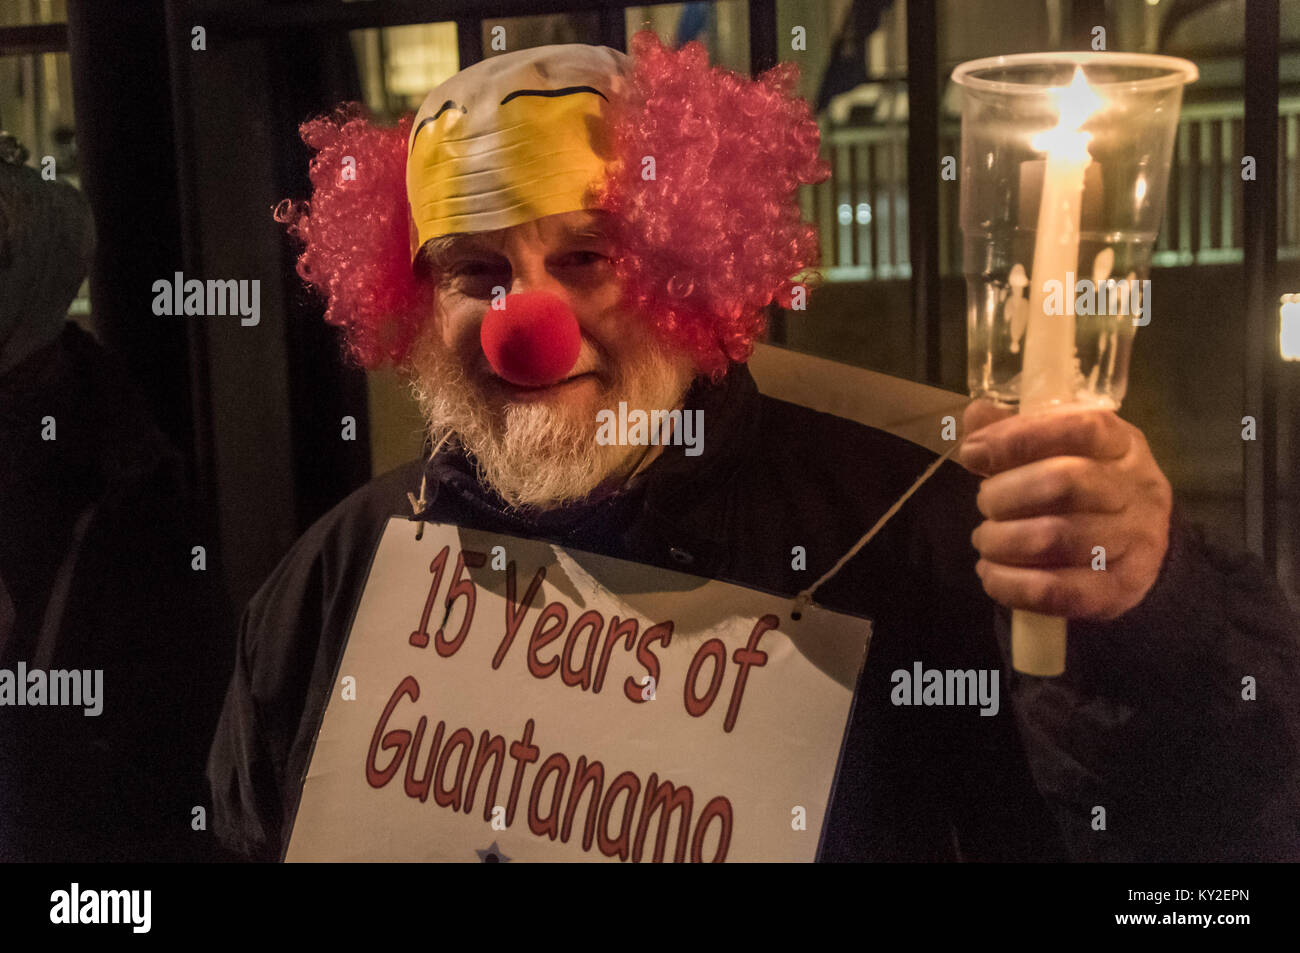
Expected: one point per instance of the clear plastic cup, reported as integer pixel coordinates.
(1013, 117)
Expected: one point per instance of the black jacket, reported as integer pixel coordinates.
(1148, 722)
(96, 537)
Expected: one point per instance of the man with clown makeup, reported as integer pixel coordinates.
(567, 230)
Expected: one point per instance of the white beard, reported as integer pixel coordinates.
(539, 455)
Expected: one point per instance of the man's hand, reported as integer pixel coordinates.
(1059, 484)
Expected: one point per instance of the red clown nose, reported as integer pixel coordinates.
(533, 341)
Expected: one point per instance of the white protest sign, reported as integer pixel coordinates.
(571, 706)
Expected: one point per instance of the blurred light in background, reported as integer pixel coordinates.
(1289, 333)
(399, 65)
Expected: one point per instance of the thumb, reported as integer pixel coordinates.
(980, 413)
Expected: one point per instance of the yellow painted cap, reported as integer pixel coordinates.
(512, 138)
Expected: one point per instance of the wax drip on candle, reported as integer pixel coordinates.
(1102, 265)
(1017, 307)
(1101, 268)
(1127, 327)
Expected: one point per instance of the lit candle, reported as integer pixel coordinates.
(1048, 375)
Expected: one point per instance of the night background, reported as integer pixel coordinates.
(182, 154)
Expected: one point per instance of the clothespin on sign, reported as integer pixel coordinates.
(417, 506)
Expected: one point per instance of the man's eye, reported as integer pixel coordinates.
(472, 268)
(475, 279)
(475, 273)
(583, 258)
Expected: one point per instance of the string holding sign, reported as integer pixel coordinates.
(802, 600)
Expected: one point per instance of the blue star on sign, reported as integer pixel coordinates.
(492, 855)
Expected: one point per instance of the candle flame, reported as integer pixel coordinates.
(1074, 104)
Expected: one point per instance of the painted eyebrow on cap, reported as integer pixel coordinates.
(428, 119)
(563, 91)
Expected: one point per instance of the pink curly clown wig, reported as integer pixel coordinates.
(704, 246)
(717, 234)
(356, 232)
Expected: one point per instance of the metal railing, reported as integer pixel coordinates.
(861, 211)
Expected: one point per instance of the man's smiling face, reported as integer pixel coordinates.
(536, 446)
